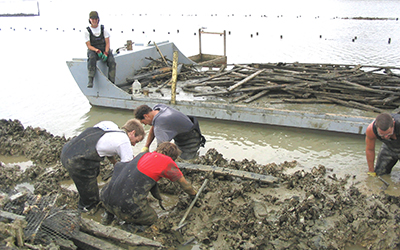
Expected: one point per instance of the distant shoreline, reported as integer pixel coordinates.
(19, 14)
(372, 18)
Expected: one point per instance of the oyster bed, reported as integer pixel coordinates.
(303, 210)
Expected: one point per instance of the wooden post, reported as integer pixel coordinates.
(129, 45)
(201, 57)
(225, 45)
(174, 77)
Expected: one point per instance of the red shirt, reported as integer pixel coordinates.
(156, 166)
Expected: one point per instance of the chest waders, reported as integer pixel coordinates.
(190, 142)
(80, 158)
(100, 43)
(126, 194)
(97, 42)
(389, 153)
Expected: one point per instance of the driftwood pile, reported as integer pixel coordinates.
(364, 87)
(159, 73)
(371, 88)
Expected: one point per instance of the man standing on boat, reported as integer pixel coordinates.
(82, 155)
(385, 128)
(97, 40)
(168, 123)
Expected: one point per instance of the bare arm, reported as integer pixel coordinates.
(112, 159)
(186, 186)
(370, 139)
(150, 137)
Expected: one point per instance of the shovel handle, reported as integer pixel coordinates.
(193, 202)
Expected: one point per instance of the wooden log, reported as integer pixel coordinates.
(251, 89)
(353, 104)
(258, 95)
(116, 234)
(239, 98)
(222, 92)
(272, 87)
(391, 88)
(214, 83)
(232, 172)
(11, 216)
(308, 101)
(215, 76)
(162, 56)
(366, 107)
(396, 110)
(150, 75)
(387, 101)
(281, 96)
(86, 241)
(298, 94)
(245, 80)
(239, 74)
(246, 67)
(361, 87)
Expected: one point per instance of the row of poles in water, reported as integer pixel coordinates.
(177, 31)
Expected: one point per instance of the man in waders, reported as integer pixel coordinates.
(168, 123)
(97, 40)
(385, 128)
(82, 155)
(125, 196)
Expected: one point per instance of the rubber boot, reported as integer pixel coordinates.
(111, 74)
(90, 82)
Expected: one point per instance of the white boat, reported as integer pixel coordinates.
(106, 94)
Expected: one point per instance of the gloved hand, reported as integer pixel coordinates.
(372, 174)
(99, 53)
(105, 55)
(144, 149)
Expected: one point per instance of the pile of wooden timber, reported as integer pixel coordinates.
(371, 88)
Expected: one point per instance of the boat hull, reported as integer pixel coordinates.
(106, 94)
(242, 113)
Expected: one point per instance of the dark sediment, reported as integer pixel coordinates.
(304, 210)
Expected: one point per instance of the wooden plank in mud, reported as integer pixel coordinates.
(116, 234)
(86, 241)
(11, 216)
(231, 172)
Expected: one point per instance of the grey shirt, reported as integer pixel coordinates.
(169, 122)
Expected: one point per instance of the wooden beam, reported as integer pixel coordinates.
(116, 234)
(245, 80)
(256, 96)
(231, 172)
(86, 241)
(162, 56)
(11, 216)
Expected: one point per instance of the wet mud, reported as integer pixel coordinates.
(303, 210)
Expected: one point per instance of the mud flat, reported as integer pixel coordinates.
(303, 210)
